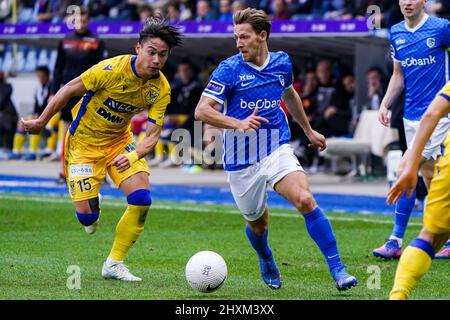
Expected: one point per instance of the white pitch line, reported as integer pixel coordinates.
(200, 210)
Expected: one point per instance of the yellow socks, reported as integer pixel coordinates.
(159, 149)
(414, 263)
(131, 224)
(35, 139)
(128, 230)
(19, 140)
(53, 139)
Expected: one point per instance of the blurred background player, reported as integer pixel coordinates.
(100, 140)
(419, 49)
(417, 258)
(186, 91)
(8, 117)
(41, 96)
(77, 52)
(249, 87)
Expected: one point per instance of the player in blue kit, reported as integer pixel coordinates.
(248, 87)
(421, 66)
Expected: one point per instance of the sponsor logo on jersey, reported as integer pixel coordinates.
(120, 106)
(246, 77)
(400, 41)
(108, 67)
(261, 104)
(109, 116)
(215, 87)
(431, 42)
(246, 84)
(412, 62)
(80, 170)
(130, 147)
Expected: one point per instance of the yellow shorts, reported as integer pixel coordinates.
(437, 208)
(87, 165)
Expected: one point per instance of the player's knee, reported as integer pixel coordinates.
(140, 197)
(304, 201)
(436, 240)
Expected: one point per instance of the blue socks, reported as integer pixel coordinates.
(424, 246)
(259, 243)
(319, 228)
(403, 210)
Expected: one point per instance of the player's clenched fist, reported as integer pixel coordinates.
(32, 126)
(317, 140)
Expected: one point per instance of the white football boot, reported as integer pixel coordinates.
(118, 271)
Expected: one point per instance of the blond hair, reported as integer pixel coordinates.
(258, 19)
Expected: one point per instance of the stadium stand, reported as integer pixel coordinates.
(309, 30)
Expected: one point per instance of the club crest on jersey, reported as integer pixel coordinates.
(431, 42)
(151, 96)
(72, 187)
(282, 81)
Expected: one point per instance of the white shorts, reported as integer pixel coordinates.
(433, 148)
(249, 185)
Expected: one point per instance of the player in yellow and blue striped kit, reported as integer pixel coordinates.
(100, 140)
(417, 257)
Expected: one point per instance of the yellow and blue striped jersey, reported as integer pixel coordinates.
(115, 94)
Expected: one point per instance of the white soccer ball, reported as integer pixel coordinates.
(206, 271)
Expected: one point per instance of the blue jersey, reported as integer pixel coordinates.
(423, 55)
(240, 87)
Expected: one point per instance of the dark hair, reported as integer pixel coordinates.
(84, 11)
(174, 4)
(258, 19)
(157, 27)
(44, 69)
(376, 69)
(145, 7)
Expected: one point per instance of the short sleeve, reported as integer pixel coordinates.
(394, 52)
(289, 78)
(219, 84)
(158, 108)
(98, 76)
(446, 34)
(445, 91)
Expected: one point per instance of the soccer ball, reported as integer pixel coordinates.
(206, 271)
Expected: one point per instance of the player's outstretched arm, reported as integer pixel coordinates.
(410, 162)
(294, 104)
(74, 88)
(206, 112)
(395, 87)
(124, 161)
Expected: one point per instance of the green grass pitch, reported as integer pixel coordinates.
(40, 239)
